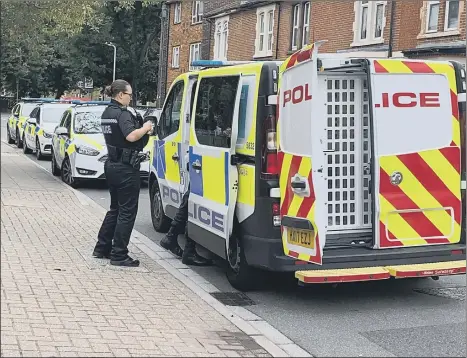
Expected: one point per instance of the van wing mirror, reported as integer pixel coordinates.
(61, 131)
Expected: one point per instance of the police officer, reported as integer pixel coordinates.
(125, 137)
(178, 226)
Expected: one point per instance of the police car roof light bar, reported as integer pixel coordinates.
(84, 103)
(39, 100)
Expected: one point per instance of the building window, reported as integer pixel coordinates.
(194, 54)
(177, 12)
(196, 12)
(432, 16)
(306, 24)
(369, 22)
(176, 57)
(221, 37)
(296, 26)
(264, 31)
(451, 21)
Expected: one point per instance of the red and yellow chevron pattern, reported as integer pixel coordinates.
(429, 196)
(291, 204)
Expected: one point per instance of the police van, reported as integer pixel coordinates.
(337, 169)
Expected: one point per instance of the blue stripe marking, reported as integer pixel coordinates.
(196, 179)
(37, 129)
(160, 164)
(67, 144)
(180, 157)
(226, 177)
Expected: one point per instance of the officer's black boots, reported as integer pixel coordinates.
(191, 257)
(169, 242)
(128, 262)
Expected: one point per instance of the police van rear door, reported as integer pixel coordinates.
(416, 165)
(301, 134)
(213, 172)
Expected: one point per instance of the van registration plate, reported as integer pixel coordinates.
(303, 238)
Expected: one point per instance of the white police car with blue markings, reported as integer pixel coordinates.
(39, 128)
(78, 145)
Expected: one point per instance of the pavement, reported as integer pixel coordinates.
(56, 300)
(401, 318)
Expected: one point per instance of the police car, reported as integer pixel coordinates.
(37, 134)
(19, 115)
(78, 145)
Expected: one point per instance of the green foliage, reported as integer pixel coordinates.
(51, 45)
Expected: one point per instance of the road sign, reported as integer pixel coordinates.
(88, 83)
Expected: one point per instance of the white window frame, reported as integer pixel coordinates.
(221, 36)
(371, 23)
(177, 13)
(306, 22)
(427, 18)
(196, 12)
(267, 31)
(176, 55)
(193, 47)
(446, 17)
(295, 26)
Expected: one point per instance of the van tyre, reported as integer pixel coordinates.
(160, 221)
(67, 173)
(8, 136)
(19, 143)
(241, 276)
(54, 167)
(26, 150)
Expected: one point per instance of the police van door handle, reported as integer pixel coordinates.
(175, 157)
(196, 165)
(298, 185)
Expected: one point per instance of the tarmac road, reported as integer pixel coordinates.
(405, 318)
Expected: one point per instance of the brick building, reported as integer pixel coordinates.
(263, 30)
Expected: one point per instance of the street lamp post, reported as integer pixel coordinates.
(115, 56)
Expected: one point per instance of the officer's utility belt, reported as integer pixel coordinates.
(126, 156)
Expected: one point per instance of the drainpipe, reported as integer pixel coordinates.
(391, 27)
(278, 27)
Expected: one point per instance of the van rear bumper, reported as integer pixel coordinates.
(268, 254)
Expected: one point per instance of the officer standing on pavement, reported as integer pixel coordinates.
(125, 137)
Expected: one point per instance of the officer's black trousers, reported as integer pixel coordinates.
(178, 224)
(124, 185)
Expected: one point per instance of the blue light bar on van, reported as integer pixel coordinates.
(217, 63)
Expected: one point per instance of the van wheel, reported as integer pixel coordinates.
(8, 136)
(160, 221)
(26, 150)
(241, 276)
(54, 167)
(19, 143)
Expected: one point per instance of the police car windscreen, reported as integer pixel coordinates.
(53, 114)
(88, 122)
(27, 108)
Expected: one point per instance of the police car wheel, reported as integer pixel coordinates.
(8, 136)
(19, 143)
(26, 150)
(67, 173)
(240, 275)
(39, 154)
(160, 221)
(54, 167)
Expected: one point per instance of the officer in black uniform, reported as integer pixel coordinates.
(125, 136)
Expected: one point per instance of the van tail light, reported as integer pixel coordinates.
(270, 163)
(276, 214)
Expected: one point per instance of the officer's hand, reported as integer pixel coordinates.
(147, 126)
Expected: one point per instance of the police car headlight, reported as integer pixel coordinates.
(82, 149)
(47, 135)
